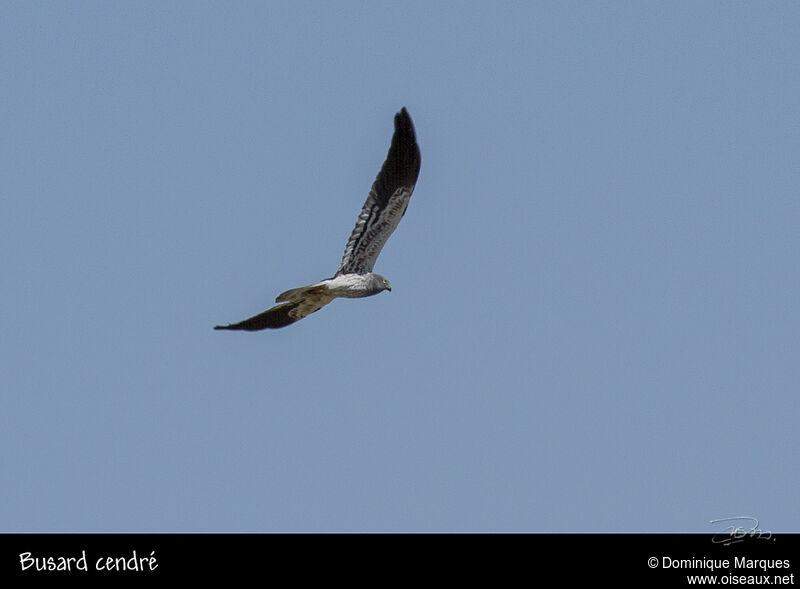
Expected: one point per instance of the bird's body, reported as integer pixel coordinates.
(385, 206)
(350, 286)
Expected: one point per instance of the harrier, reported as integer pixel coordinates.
(386, 204)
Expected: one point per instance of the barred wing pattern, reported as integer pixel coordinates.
(387, 200)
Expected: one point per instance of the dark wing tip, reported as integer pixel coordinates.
(403, 161)
(405, 143)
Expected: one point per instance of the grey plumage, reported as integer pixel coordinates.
(385, 206)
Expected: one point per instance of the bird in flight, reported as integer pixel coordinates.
(385, 206)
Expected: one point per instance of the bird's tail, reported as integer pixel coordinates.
(297, 294)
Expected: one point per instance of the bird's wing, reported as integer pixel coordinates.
(387, 200)
(281, 315)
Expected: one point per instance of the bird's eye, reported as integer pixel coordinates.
(384, 281)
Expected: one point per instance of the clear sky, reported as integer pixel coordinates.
(594, 320)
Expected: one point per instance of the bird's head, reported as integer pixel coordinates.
(383, 283)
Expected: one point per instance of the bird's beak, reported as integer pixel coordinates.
(389, 288)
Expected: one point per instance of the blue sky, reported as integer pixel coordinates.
(594, 318)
